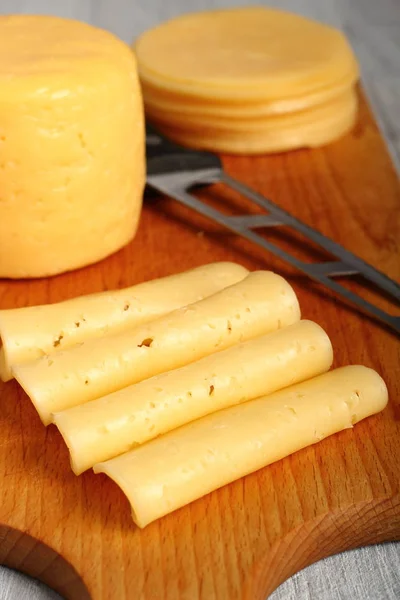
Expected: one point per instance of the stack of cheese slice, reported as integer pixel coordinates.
(215, 363)
(248, 80)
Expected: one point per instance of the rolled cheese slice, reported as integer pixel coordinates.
(199, 457)
(261, 303)
(72, 166)
(30, 332)
(104, 428)
(251, 52)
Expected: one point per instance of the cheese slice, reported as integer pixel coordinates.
(248, 52)
(30, 332)
(199, 457)
(158, 100)
(101, 429)
(72, 168)
(318, 115)
(320, 127)
(261, 303)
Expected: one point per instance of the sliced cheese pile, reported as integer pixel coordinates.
(260, 303)
(206, 377)
(109, 426)
(31, 332)
(72, 164)
(204, 455)
(248, 80)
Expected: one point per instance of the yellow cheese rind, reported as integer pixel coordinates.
(104, 428)
(226, 53)
(30, 332)
(72, 154)
(260, 303)
(185, 464)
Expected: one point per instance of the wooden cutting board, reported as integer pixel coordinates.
(242, 541)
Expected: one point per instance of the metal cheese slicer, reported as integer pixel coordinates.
(174, 170)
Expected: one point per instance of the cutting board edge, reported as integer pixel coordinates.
(325, 535)
(341, 530)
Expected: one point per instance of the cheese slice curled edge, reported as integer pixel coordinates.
(104, 428)
(199, 457)
(261, 303)
(72, 155)
(30, 332)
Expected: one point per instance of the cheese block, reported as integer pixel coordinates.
(199, 457)
(72, 163)
(261, 303)
(104, 428)
(253, 52)
(318, 128)
(30, 332)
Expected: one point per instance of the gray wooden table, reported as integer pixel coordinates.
(373, 27)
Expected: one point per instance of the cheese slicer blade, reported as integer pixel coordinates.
(174, 170)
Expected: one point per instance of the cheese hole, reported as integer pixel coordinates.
(238, 316)
(86, 381)
(229, 326)
(189, 394)
(147, 342)
(58, 340)
(127, 306)
(152, 404)
(211, 390)
(248, 310)
(77, 324)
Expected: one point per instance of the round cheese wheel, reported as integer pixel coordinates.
(72, 163)
(250, 52)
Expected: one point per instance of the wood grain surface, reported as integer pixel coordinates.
(76, 533)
